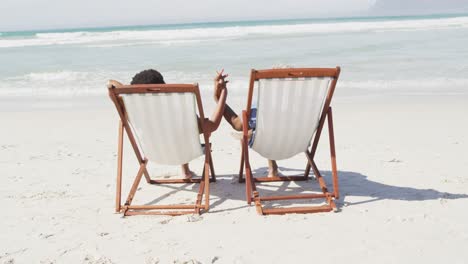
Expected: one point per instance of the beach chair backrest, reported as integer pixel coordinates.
(164, 123)
(289, 109)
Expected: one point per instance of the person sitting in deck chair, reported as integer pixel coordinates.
(151, 76)
(236, 123)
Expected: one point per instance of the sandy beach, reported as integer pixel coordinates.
(400, 117)
(402, 167)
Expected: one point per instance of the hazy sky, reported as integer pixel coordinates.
(404, 7)
(41, 14)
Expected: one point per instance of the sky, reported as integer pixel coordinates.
(407, 7)
(55, 14)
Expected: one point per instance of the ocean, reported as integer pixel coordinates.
(412, 55)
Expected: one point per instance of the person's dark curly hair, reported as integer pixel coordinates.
(148, 77)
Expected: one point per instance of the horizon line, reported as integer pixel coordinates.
(364, 16)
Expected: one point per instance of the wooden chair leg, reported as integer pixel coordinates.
(318, 176)
(147, 177)
(331, 136)
(213, 175)
(248, 174)
(258, 204)
(206, 173)
(136, 182)
(119, 169)
(307, 171)
(248, 186)
(241, 167)
(201, 189)
(207, 186)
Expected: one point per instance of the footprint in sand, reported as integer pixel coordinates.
(12, 260)
(91, 260)
(151, 260)
(47, 261)
(166, 221)
(194, 218)
(45, 236)
(38, 157)
(8, 147)
(192, 261)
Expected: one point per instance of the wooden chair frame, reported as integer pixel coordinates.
(251, 190)
(124, 128)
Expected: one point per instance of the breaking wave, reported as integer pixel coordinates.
(186, 35)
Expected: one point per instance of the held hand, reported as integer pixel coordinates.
(219, 83)
(113, 84)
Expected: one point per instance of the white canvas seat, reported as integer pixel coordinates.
(165, 126)
(288, 113)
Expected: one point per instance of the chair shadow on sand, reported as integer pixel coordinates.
(350, 184)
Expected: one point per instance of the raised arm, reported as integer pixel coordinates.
(231, 117)
(212, 124)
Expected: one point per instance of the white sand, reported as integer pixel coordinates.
(403, 174)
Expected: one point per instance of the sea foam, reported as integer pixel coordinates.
(83, 83)
(91, 83)
(177, 36)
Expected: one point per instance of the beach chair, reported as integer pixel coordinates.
(292, 107)
(160, 121)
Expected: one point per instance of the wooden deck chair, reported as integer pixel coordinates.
(291, 111)
(160, 121)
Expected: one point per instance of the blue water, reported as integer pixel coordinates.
(401, 55)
